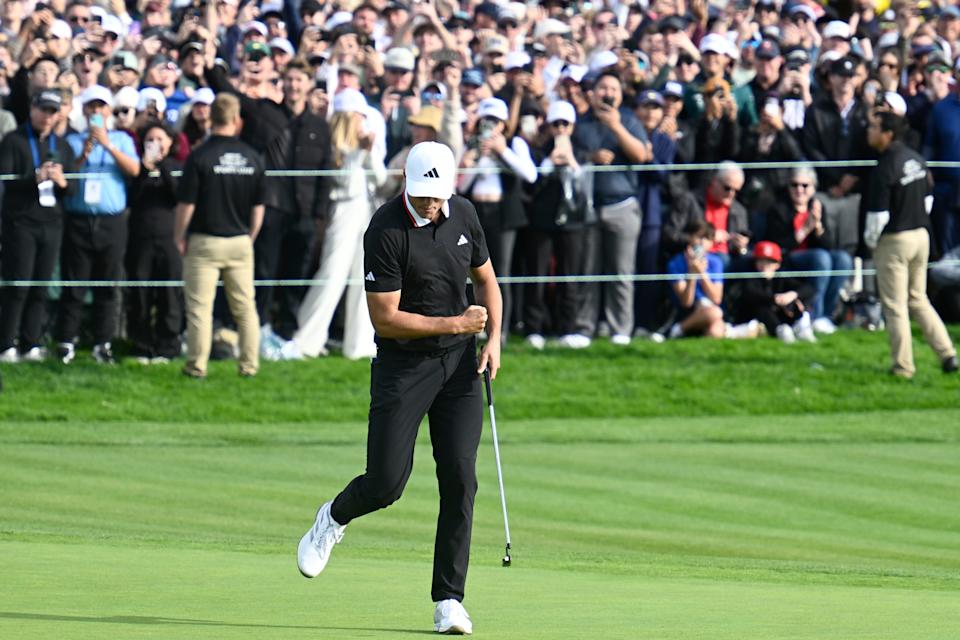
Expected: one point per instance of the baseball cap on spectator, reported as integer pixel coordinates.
(843, 67)
(922, 50)
(487, 9)
(48, 99)
(602, 59)
(429, 171)
(950, 12)
(60, 29)
(537, 50)
(716, 43)
(836, 29)
(126, 60)
(797, 58)
(282, 44)
(255, 25)
(349, 67)
(896, 102)
(338, 19)
(190, 46)
(561, 110)
(154, 95)
(672, 23)
(349, 100)
(767, 250)
(673, 89)
(493, 108)
(96, 93)
(887, 40)
(937, 61)
(802, 10)
(768, 5)
(473, 77)
(271, 6)
(768, 50)
(310, 7)
(496, 44)
(434, 91)
(158, 60)
(516, 60)
(649, 97)
(97, 11)
(827, 58)
(203, 95)
(126, 98)
(459, 19)
(507, 15)
(399, 58)
(574, 73)
(256, 50)
(550, 27)
(429, 116)
(771, 32)
(112, 24)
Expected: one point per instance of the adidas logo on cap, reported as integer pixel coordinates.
(432, 173)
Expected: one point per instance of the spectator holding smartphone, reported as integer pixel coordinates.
(698, 294)
(154, 314)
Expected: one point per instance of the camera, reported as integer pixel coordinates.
(699, 252)
(486, 129)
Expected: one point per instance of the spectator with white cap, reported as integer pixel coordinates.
(342, 255)
(114, 33)
(282, 52)
(95, 233)
(717, 54)
(59, 38)
(398, 101)
(125, 109)
(559, 213)
(497, 193)
(836, 37)
(517, 93)
(195, 122)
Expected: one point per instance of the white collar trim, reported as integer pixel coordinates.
(415, 217)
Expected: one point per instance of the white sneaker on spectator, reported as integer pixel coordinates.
(159, 360)
(536, 341)
(35, 354)
(450, 617)
(66, 352)
(10, 356)
(803, 329)
(743, 331)
(290, 351)
(574, 341)
(786, 334)
(657, 338)
(825, 326)
(675, 331)
(620, 340)
(315, 546)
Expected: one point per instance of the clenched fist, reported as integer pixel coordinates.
(474, 319)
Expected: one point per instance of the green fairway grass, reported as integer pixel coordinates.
(827, 525)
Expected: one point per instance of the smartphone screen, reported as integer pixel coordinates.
(96, 120)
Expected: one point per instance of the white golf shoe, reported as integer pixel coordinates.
(317, 543)
(450, 617)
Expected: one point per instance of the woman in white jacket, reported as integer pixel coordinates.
(342, 255)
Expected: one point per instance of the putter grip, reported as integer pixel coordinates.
(486, 382)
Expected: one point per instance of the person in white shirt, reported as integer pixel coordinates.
(342, 255)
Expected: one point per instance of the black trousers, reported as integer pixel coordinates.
(30, 252)
(154, 314)
(404, 387)
(565, 248)
(283, 250)
(93, 248)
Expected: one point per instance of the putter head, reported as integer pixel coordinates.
(506, 561)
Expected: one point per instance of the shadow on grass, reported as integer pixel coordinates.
(160, 621)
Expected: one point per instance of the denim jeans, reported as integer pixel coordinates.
(827, 287)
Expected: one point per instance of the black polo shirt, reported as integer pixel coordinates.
(223, 177)
(428, 264)
(899, 185)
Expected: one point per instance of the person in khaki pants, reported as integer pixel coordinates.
(898, 208)
(220, 205)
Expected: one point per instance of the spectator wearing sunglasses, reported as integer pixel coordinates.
(798, 225)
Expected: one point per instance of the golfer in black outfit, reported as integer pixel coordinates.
(418, 252)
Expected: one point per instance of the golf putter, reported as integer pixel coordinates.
(496, 453)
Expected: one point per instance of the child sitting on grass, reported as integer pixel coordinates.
(778, 303)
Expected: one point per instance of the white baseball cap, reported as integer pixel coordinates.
(61, 30)
(400, 58)
(254, 25)
(203, 95)
(561, 110)
(282, 44)
(126, 97)
(493, 108)
(550, 27)
(152, 94)
(516, 60)
(113, 24)
(337, 19)
(96, 92)
(715, 43)
(602, 60)
(430, 171)
(837, 29)
(349, 100)
(896, 102)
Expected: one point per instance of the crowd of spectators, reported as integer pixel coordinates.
(540, 103)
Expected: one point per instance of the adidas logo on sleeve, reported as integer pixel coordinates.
(370, 277)
(433, 173)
